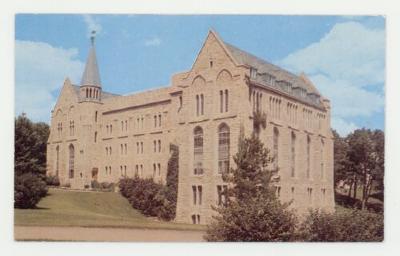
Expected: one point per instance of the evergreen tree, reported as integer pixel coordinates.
(251, 211)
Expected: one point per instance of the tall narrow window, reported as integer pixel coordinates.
(57, 160)
(71, 161)
(159, 120)
(202, 104)
(197, 105)
(194, 189)
(276, 147)
(198, 151)
(322, 159)
(159, 169)
(95, 116)
(95, 137)
(221, 101)
(223, 148)
(293, 154)
(154, 170)
(155, 146)
(226, 100)
(159, 145)
(308, 156)
(155, 121)
(200, 192)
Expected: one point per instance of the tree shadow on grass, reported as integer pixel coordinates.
(352, 203)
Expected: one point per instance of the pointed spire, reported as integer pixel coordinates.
(91, 74)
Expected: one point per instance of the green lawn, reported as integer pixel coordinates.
(90, 209)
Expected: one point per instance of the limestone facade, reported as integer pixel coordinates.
(101, 136)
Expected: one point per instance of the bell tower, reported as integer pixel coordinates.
(90, 87)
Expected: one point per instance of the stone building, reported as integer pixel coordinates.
(97, 135)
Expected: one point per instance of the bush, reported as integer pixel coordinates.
(253, 220)
(349, 226)
(95, 184)
(148, 197)
(28, 190)
(52, 181)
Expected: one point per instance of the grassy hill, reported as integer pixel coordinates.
(89, 209)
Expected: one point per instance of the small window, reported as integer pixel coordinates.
(211, 64)
(253, 73)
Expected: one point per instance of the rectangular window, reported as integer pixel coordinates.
(226, 100)
(221, 101)
(194, 195)
(200, 192)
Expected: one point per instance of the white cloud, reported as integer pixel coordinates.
(92, 24)
(343, 127)
(155, 41)
(348, 67)
(41, 69)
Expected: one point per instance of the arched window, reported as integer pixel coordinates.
(223, 148)
(308, 156)
(57, 160)
(71, 161)
(276, 147)
(293, 154)
(198, 151)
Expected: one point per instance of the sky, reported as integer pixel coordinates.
(344, 56)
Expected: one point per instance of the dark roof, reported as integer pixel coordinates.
(262, 66)
(91, 74)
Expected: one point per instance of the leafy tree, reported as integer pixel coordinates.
(30, 162)
(30, 146)
(366, 159)
(251, 211)
(340, 158)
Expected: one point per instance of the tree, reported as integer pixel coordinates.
(30, 162)
(30, 146)
(340, 158)
(251, 212)
(366, 159)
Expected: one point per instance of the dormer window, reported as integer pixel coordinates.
(253, 73)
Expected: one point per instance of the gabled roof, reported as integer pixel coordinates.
(91, 75)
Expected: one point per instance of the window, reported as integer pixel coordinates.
(154, 146)
(154, 170)
(322, 159)
(137, 148)
(223, 148)
(180, 102)
(197, 105)
(221, 101)
(276, 148)
(198, 151)
(126, 149)
(95, 137)
(309, 192)
(293, 154)
(106, 170)
(136, 170)
(141, 147)
(253, 73)
(159, 145)
(323, 192)
(308, 156)
(202, 104)
(57, 160)
(141, 170)
(159, 169)
(292, 191)
(197, 195)
(155, 121)
(95, 116)
(194, 189)
(200, 193)
(222, 194)
(159, 120)
(71, 161)
(194, 219)
(226, 100)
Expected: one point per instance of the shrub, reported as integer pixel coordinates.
(107, 186)
(349, 226)
(28, 190)
(95, 185)
(52, 181)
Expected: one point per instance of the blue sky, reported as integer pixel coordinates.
(343, 55)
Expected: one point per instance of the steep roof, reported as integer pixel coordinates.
(262, 66)
(91, 75)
